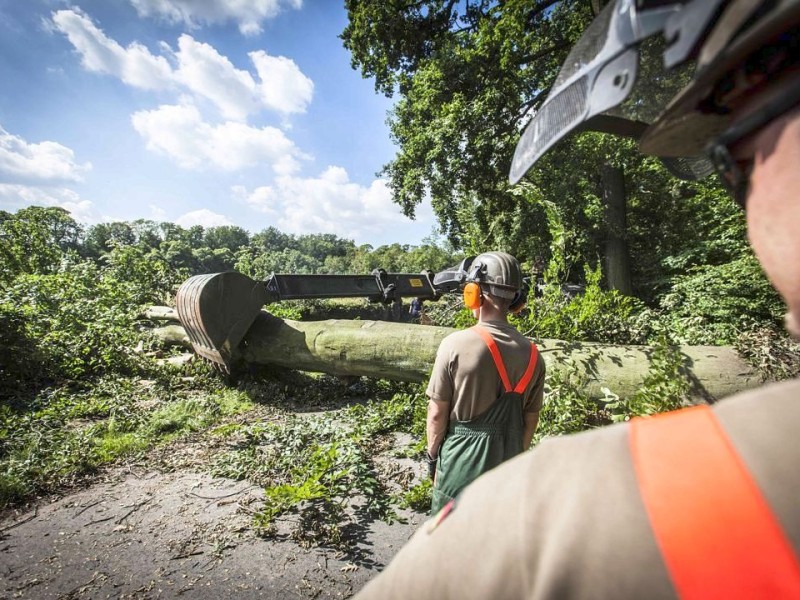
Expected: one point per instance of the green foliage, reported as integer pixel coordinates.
(566, 408)
(465, 75)
(63, 434)
(73, 322)
(80, 320)
(36, 240)
(666, 387)
(286, 310)
(317, 467)
(594, 315)
(419, 497)
(714, 304)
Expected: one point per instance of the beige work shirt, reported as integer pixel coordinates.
(465, 377)
(567, 520)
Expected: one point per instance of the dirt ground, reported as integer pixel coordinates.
(172, 530)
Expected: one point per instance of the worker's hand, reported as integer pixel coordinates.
(431, 466)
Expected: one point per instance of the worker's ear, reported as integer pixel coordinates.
(473, 297)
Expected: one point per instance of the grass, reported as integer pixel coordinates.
(65, 434)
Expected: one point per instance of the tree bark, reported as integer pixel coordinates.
(405, 352)
(618, 270)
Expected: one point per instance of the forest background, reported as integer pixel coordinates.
(84, 383)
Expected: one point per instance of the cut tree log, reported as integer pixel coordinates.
(161, 313)
(405, 352)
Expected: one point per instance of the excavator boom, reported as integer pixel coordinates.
(217, 309)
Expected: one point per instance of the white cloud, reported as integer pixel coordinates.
(157, 213)
(284, 88)
(14, 197)
(330, 203)
(203, 217)
(134, 65)
(209, 74)
(179, 132)
(249, 14)
(199, 68)
(43, 162)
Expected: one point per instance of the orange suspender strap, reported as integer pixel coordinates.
(717, 535)
(501, 367)
(526, 377)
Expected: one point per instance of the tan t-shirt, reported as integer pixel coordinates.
(567, 519)
(465, 377)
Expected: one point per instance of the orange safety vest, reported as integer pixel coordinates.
(717, 535)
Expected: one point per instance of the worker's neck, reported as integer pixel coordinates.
(489, 312)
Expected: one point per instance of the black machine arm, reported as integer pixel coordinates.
(380, 286)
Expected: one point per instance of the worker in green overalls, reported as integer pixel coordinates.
(486, 388)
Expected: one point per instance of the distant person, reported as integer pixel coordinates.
(415, 310)
(696, 503)
(487, 384)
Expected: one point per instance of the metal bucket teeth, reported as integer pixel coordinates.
(216, 311)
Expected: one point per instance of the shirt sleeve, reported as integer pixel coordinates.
(535, 395)
(440, 386)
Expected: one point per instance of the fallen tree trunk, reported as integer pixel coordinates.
(405, 352)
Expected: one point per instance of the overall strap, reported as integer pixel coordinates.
(501, 367)
(717, 535)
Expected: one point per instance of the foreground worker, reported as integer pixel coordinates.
(487, 383)
(701, 502)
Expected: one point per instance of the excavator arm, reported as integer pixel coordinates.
(217, 310)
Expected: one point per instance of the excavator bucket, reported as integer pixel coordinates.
(216, 311)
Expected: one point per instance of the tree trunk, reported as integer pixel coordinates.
(618, 270)
(405, 352)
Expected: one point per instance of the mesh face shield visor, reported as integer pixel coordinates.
(613, 82)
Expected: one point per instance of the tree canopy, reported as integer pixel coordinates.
(466, 77)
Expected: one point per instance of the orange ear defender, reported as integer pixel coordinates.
(473, 297)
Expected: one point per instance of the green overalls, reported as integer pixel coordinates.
(471, 448)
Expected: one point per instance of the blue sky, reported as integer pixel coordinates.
(209, 112)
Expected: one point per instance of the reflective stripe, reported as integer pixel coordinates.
(501, 367)
(717, 535)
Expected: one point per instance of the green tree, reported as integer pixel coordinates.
(319, 246)
(36, 240)
(272, 240)
(103, 237)
(466, 74)
(229, 237)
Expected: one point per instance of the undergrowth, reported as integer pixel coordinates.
(319, 471)
(64, 433)
(567, 408)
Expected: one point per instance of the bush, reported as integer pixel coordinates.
(715, 303)
(76, 323)
(597, 315)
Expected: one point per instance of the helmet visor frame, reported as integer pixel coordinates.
(598, 77)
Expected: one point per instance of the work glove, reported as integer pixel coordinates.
(431, 465)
